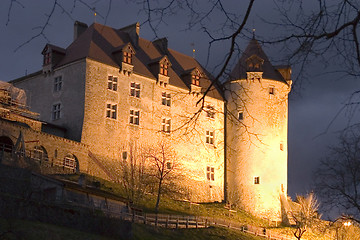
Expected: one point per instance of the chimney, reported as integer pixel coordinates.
(79, 28)
(162, 45)
(134, 31)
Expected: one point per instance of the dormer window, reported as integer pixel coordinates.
(164, 66)
(164, 69)
(47, 58)
(254, 64)
(195, 80)
(127, 58)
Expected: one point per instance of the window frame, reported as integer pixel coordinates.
(210, 173)
(111, 111)
(195, 80)
(58, 83)
(240, 115)
(210, 112)
(164, 68)
(69, 162)
(210, 137)
(134, 117)
(166, 99)
(166, 125)
(127, 57)
(135, 89)
(56, 111)
(112, 83)
(256, 180)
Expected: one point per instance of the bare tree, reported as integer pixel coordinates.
(338, 176)
(164, 167)
(133, 175)
(306, 216)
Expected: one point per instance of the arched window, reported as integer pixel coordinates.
(71, 162)
(40, 154)
(6, 144)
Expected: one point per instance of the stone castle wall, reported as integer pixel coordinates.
(257, 145)
(111, 137)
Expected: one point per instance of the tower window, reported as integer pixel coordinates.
(272, 90)
(112, 83)
(210, 137)
(210, 173)
(241, 116)
(256, 180)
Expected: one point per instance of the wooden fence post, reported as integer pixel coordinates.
(144, 218)
(167, 221)
(177, 222)
(156, 220)
(187, 222)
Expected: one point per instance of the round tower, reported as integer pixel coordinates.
(257, 123)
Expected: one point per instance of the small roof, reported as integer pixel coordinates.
(254, 49)
(98, 42)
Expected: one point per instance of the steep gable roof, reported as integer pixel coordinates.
(254, 50)
(98, 42)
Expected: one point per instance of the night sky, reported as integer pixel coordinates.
(313, 105)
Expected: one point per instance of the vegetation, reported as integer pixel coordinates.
(21, 229)
(146, 232)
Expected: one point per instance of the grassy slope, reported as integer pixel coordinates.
(145, 232)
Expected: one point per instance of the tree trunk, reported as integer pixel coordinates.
(158, 196)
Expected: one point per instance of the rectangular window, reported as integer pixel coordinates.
(210, 173)
(111, 110)
(210, 137)
(272, 90)
(241, 116)
(166, 99)
(210, 111)
(112, 83)
(57, 84)
(127, 57)
(134, 117)
(135, 89)
(195, 80)
(256, 180)
(56, 114)
(69, 162)
(164, 69)
(166, 125)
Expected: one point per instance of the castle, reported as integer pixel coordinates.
(110, 89)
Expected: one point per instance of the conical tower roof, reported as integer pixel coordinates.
(254, 51)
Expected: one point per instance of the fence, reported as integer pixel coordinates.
(179, 221)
